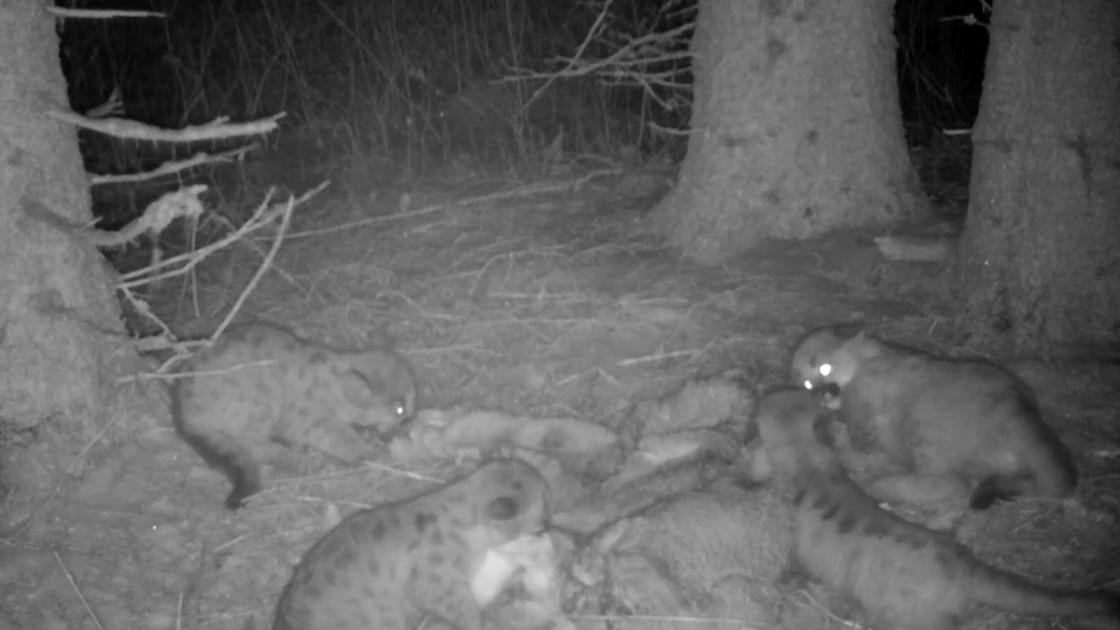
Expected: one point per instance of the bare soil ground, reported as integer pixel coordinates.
(541, 299)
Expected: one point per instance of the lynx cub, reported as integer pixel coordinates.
(259, 385)
(965, 419)
(902, 574)
(392, 566)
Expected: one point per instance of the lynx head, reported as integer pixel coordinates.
(826, 359)
(379, 386)
(514, 498)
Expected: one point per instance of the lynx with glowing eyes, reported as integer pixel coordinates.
(824, 370)
(973, 421)
(823, 362)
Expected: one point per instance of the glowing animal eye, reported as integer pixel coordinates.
(825, 369)
(808, 384)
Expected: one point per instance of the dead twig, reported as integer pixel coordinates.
(174, 166)
(102, 14)
(183, 202)
(523, 191)
(660, 356)
(216, 129)
(78, 591)
(285, 221)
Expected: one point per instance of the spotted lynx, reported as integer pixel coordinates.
(393, 566)
(970, 420)
(902, 574)
(260, 386)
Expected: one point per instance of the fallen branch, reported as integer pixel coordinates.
(172, 167)
(102, 14)
(217, 129)
(524, 191)
(157, 216)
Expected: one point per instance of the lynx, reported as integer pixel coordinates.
(260, 386)
(392, 566)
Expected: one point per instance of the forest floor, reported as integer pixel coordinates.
(539, 299)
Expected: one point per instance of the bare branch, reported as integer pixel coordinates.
(157, 216)
(102, 14)
(171, 167)
(654, 61)
(214, 130)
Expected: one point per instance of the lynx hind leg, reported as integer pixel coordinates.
(448, 597)
(918, 489)
(997, 488)
(936, 502)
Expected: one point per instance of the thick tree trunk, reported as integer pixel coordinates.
(796, 126)
(59, 324)
(1040, 256)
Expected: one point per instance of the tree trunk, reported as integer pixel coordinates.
(59, 324)
(1040, 255)
(796, 126)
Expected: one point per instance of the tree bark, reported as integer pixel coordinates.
(796, 127)
(59, 323)
(1040, 255)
